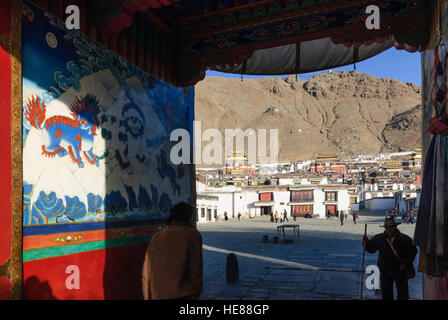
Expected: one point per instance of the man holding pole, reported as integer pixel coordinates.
(395, 258)
(363, 255)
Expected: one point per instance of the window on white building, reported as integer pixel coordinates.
(301, 209)
(302, 195)
(265, 196)
(331, 196)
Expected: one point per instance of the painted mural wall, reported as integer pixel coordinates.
(96, 145)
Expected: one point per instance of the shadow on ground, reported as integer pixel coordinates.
(269, 270)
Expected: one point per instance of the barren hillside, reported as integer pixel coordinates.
(346, 113)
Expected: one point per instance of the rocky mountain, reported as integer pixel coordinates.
(343, 113)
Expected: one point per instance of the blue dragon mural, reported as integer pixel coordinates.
(64, 135)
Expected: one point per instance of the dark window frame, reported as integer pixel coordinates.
(302, 199)
(327, 198)
(306, 209)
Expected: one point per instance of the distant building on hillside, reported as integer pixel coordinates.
(237, 164)
(416, 159)
(328, 163)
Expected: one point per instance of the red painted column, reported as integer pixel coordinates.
(5, 147)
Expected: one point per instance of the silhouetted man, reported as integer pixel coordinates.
(172, 268)
(396, 254)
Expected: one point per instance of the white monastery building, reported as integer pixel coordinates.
(307, 197)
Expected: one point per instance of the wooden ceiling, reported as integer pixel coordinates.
(209, 33)
(187, 19)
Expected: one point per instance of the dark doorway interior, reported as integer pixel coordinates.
(266, 211)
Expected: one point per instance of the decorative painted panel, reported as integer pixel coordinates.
(95, 131)
(267, 196)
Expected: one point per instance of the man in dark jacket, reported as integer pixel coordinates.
(391, 267)
(285, 215)
(172, 266)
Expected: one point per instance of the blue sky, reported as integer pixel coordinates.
(392, 63)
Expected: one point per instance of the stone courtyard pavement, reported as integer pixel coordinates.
(324, 263)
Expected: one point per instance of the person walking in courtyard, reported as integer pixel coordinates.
(396, 255)
(225, 216)
(328, 214)
(411, 216)
(276, 216)
(341, 216)
(239, 215)
(354, 217)
(173, 266)
(285, 214)
(281, 217)
(272, 217)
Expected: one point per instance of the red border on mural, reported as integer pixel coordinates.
(111, 274)
(5, 159)
(5, 146)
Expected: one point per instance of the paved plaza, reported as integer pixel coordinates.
(324, 263)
